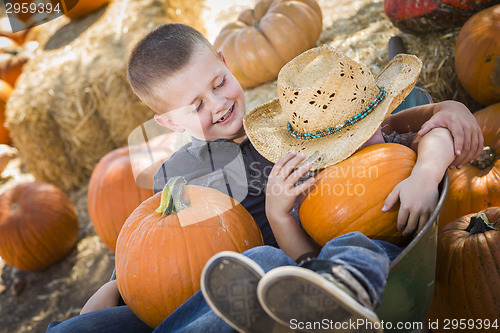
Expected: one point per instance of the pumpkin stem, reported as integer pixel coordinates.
(171, 197)
(479, 224)
(486, 158)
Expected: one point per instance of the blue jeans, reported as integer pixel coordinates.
(368, 260)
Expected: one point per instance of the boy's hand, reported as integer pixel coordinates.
(281, 191)
(418, 201)
(467, 135)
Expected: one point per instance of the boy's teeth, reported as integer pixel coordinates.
(227, 115)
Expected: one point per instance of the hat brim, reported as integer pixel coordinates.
(266, 128)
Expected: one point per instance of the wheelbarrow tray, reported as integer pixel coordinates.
(410, 286)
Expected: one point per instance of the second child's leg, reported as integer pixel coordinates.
(341, 287)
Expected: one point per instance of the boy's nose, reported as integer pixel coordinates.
(219, 104)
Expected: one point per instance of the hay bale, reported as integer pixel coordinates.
(72, 103)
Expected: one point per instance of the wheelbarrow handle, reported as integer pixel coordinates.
(396, 46)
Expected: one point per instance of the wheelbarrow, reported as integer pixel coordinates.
(410, 286)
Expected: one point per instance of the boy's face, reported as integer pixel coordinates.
(204, 99)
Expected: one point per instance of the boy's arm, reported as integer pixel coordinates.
(456, 117)
(106, 297)
(281, 193)
(418, 194)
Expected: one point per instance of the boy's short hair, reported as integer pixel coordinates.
(160, 54)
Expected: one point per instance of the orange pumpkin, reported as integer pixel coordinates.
(165, 243)
(5, 92)
(476, 186)
(265, 38)
(38, 226)
(477, 56)
(113, 195)
(11, 66)
(349, 195)
(467, 270)
(76, 9)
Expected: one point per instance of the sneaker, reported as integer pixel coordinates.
(303, 299)
(229, 284)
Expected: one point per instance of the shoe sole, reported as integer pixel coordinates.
(229, 284)
(296, 296)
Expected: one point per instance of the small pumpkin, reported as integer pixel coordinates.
(349, 195)
(11, 66)
(477, 56)
(75, 9)
(38, 226)
(476, 186)
(113, 195)
(167, 240)
(5, 92)
(424, 16)
(468, 270)
(265, 38)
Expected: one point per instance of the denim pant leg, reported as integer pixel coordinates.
(196, 316)
(368, 260)
(118, 319)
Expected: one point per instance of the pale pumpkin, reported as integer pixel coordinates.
(167, 240)
(263, 39)
(349, 195)
(477, 56)
(38, 226)
(468, 271)
(476, 186)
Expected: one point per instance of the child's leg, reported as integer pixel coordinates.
(195, 315)
(366, 259)
(117, 319)
(341, 287)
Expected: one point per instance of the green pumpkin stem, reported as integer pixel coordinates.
(480, 224)
(486, 159)
(171, 197)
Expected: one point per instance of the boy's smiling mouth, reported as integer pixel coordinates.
(229, 112)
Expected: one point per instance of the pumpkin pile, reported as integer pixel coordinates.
(167, 240)
(263, 39)
(349, 195)
(38, 226)
(467, 271)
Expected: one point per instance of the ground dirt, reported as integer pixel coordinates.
(30, 301)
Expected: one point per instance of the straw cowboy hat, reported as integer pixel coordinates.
(328, 105)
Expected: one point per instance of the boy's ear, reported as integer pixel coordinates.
(222, 57)
(168, 123)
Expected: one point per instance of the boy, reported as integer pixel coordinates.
(176, 72)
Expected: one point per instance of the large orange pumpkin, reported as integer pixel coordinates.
(5, 92)
(477, 56)
(265, 38)
(349, 195)
(165, 243)
(113, 195)
(467, 272)
(476, 186)
(38, 226)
